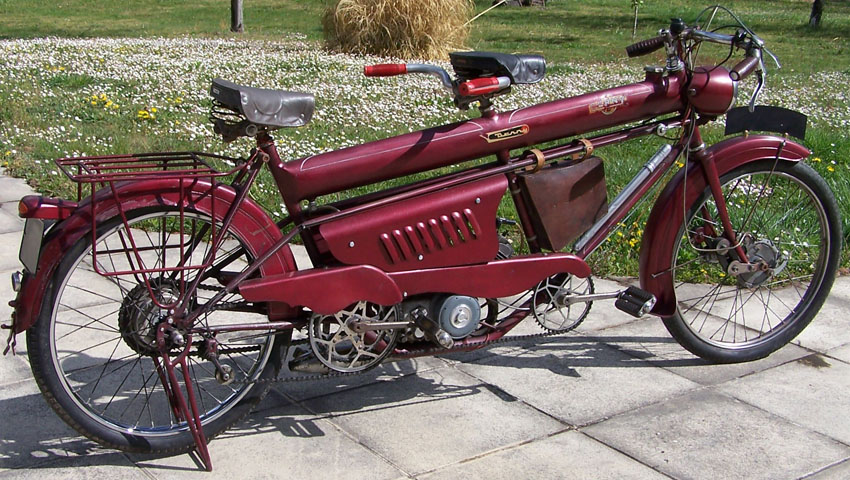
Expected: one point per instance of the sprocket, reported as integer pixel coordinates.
(549, 309)
(338, 346)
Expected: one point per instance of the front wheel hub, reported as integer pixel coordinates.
(770, 260)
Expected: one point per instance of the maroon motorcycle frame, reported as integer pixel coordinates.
(434, 235)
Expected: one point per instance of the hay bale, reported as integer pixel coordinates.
(427, 29)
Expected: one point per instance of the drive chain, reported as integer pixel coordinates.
(431, 351)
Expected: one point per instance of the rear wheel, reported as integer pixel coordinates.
(788, 223)
(94, 348)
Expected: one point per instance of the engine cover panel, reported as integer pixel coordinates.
(455, 226)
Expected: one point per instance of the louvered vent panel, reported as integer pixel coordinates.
(431, 236)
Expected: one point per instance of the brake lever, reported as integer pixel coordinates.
(775, 60)
(757, 91)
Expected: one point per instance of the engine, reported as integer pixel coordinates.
(441, 318)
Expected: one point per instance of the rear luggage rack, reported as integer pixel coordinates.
(140, 166)
(105, 172)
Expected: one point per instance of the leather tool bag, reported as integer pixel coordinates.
(565, 200)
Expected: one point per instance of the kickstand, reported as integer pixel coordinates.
(181, 407)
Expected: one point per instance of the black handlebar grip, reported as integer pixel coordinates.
(645, 46)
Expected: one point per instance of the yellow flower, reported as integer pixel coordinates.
(108, 103)
(816, 159)
(619, 234)
(830, 168)
(153, 109)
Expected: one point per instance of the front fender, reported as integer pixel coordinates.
(251, 223)
(656, 253)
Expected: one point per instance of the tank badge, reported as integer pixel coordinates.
(506, 133)
(607, 104)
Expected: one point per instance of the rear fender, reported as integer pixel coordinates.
(250, 222)
(656, 257)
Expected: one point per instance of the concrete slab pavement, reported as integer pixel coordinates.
(617, 399)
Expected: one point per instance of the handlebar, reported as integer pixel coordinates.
(391, 69)
(744, 68)
(385, 69)
(645, 46)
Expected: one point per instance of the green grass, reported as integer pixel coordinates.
(585, 31)
(572, 35)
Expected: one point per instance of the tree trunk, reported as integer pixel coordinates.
(817, 11)
(236, 16)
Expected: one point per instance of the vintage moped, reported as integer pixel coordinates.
(161, 304)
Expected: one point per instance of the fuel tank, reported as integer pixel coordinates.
(309, 177)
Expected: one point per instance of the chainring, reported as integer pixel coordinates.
(337, 346)
(548, 308)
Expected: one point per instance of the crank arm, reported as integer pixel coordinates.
(567, 300)
(363, 327)
(633, 300)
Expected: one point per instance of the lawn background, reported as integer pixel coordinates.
(567, 33)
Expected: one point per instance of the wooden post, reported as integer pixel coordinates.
(236, 16)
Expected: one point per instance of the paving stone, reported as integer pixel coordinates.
(707, 435)
(10, 222)
(12, 189)
(811, 391)
(387, 371)
(842, 353)
(13, 369)
(568, 455)
(12, 209)
(836, 472)
(425, 421)
(278, 441)
(32, 433)
(9, 259)
(648, 339)
(578, 379)
(828, 330)
(106, 465)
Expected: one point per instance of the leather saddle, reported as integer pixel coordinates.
(519, 68)
(260, 106)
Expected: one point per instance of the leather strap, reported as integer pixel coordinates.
(541, 159)
(588, 149)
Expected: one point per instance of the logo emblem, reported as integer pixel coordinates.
(608, 104)
(506, 133)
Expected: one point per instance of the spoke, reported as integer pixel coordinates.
(93, 320)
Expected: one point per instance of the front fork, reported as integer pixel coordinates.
(696, 149)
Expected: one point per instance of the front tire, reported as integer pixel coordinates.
(788, 218)
(93, 351)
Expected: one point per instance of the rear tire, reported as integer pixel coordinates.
(91, 349)
(795, 227)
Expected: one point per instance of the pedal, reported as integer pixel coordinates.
(635, 302)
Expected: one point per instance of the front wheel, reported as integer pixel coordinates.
(94, 348)
(786, 219)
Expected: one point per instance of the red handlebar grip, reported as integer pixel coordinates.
(743, 68)
(385, 69)
(481, 86)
